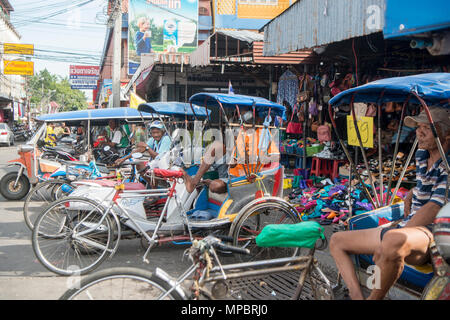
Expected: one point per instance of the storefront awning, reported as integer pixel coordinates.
(405, 18)
(4, 99)
(242, 46)
(307, 24)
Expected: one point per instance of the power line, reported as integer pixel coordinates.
(53, 14)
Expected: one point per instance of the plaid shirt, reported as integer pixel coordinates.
(431, 185)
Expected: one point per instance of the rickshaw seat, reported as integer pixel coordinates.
(417, 275)
(207, 206)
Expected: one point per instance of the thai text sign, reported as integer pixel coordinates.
(84, 77)
(23, 68)
(88, 71)
(18, 48)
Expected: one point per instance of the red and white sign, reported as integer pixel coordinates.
(93, 71)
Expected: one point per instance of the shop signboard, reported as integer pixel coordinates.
(18, 48)
(17, 67)
(365, 126)
(84, 77)
(161, 26)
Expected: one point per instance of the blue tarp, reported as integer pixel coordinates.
(173, 109)
(95, 115)
(407, 18)
(231, 100)
(434, 88)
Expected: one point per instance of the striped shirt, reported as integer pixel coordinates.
(431, 184)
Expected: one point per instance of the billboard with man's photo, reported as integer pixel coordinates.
(160, 26)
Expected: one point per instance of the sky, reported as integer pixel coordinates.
(63, 32)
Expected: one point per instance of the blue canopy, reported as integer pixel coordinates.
(434, 88)
(173, 108)
(96, 115)
(231, 100)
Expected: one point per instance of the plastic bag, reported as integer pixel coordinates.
(302, 235)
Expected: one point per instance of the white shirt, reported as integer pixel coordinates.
(117, 136)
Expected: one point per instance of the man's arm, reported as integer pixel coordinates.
(408, 203)
(425, 215)
(140, 147)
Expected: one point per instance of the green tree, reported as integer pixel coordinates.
(45, 87)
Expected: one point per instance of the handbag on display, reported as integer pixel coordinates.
(294, 127)
(371, 110)
(324, 133)
(314, 126)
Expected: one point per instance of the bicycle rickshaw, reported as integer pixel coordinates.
(292, 277)
(32, 167)
(421, 90)
(94, 225)
(55, 176)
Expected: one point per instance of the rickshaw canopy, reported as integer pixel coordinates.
(433, 88)
(172, 108)
(96, 115)
(262, 105)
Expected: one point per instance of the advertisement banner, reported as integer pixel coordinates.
(161, 26)
(23, 68)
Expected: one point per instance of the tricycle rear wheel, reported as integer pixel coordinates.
(253, 220)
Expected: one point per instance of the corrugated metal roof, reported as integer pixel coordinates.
(302, 56)
(243, 35)
(312, 23)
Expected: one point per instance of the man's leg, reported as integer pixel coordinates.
(215, 151)
(398, 246)
(345, 243)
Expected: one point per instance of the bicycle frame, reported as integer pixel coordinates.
(237, 271)
(138, 227)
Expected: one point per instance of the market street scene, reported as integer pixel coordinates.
(234, 150)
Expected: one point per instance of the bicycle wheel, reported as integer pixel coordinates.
(253, 221)
(41, 196)
(56, 240)
(121, 284)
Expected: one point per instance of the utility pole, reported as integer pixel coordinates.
(117, 50)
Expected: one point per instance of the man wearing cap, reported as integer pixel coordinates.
(158, 143)
(409, 240)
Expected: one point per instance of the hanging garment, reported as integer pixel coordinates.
(287, 88)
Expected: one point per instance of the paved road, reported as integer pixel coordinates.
(22, 277)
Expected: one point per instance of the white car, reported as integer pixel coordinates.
(6, 135)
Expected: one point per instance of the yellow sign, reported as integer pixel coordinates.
(23, 68)
(18, 48)
(365, 126)
(135, 100)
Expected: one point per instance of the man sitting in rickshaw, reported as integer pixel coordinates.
(116, 136)
(158, 143)
(409, 240)
(250, 148)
